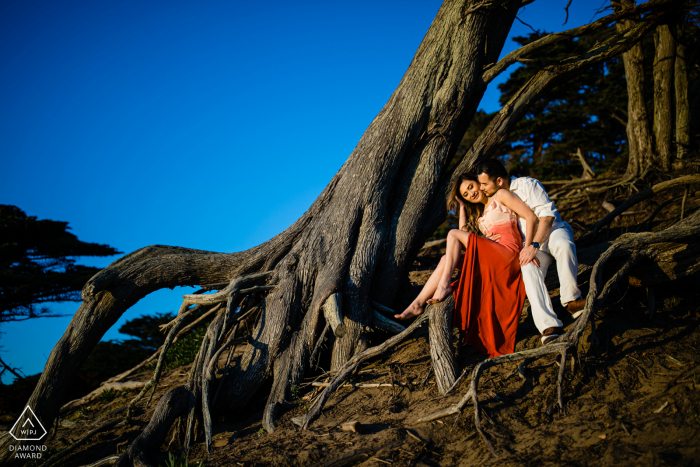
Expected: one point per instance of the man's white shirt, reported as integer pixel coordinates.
(532, 193)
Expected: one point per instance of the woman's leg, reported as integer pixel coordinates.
(416, 307)
(455, 239)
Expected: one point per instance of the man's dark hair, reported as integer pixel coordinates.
(493, 168)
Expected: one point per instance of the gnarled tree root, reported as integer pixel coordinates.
(172, 405)
(353, 364)
(634, 247)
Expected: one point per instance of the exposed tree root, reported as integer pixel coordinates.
(444, 364)
(171, 406)
(182, 332)
(60, 455)
(641, 196)
(353, 364)
(633, 247)
(72, 405)
(356, 239)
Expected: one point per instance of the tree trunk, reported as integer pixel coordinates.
(665, 48)
(638, 128)
(356, 239)
(682, 106)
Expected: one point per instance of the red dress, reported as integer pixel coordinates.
(490, 293)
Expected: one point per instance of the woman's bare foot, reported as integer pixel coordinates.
(440, 294)
(414, 309)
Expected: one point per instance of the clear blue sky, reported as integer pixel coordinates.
(210, 125)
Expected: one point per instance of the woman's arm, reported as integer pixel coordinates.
(462, 213)
(514, 203)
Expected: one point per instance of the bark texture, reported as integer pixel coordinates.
(356, 239)
(439, 330)
(639, 135)
(680, 76)
(354, 242)
(664, 58)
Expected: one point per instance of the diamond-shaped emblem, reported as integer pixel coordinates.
(28, 427)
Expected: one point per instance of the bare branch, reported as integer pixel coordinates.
(555, 38)
(641, 196)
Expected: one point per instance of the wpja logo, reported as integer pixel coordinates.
(28, 428)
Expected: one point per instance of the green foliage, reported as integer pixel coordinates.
(296, 396)
(587, 112)
(185, 349)
(179, 461)
(37, 264)
(108, 395)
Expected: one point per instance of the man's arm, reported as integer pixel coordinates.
(529, 253)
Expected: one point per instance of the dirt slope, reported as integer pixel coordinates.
(612, 403)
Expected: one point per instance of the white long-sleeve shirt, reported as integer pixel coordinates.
(532, 193)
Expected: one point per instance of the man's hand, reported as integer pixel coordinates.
(494, 238)
(529, 255)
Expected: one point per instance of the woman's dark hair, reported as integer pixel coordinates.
(493, 168)
(473, 210)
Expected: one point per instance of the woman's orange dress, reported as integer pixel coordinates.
(490, 293)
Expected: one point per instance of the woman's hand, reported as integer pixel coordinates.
(529, 255)
(459, 201)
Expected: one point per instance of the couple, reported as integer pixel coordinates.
(500, 270)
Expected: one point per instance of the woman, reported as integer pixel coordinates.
(489, 294)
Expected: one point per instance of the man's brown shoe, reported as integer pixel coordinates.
(550, 334)
(576, 307)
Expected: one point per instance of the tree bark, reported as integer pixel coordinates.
(356, 239)
(440, 332)
(664, 57)
(638, 128)
(682, 105)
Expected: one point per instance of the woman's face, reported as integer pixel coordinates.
(471, 192)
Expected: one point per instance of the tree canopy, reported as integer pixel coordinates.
(37, 264)
(585, 113)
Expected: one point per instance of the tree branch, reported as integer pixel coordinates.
(555, 38)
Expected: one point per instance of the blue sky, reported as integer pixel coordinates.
(210, 125)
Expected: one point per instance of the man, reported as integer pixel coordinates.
(553, 241)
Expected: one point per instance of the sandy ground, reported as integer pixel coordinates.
(632, 399)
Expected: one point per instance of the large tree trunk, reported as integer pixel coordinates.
(356, 239)
(354, 243)
(665, 48)
(682, 106)
(638, 128)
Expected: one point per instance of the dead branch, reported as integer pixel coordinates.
(96, 393)
(588, 173)
(385, 324)
(641, 196)
(61, 454)
(360, 385)
(551, 39)
(182, 332)
(111, 460)
(14, 371)
(434, 243)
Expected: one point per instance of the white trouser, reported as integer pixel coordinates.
(560, 247)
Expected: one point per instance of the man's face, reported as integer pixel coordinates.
(488, 185)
